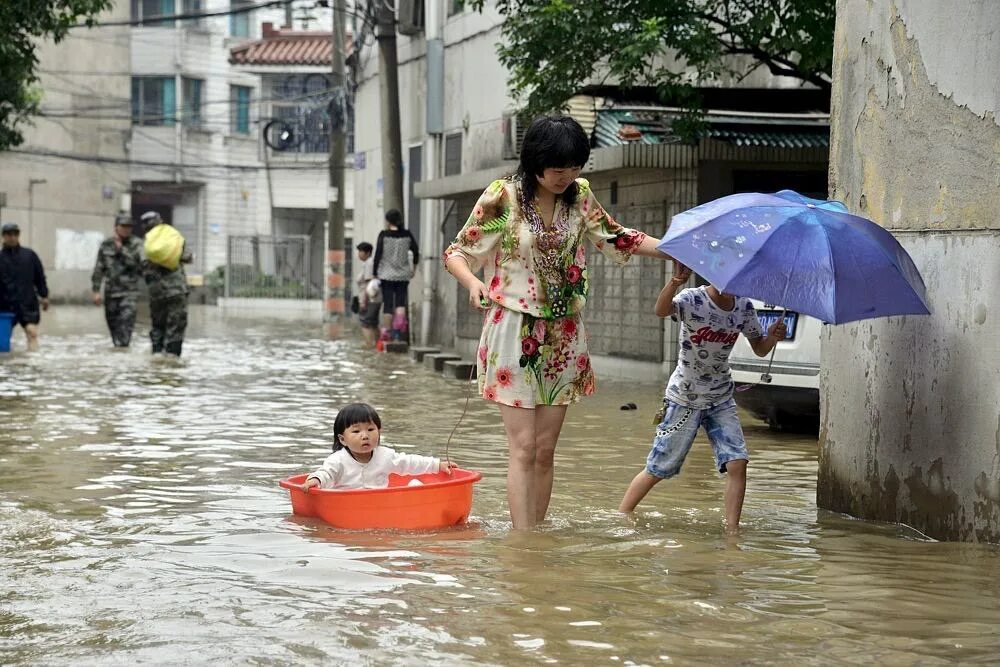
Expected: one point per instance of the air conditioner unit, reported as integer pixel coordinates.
(514, 127)
(410, 17)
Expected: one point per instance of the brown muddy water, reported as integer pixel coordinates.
(141, 521)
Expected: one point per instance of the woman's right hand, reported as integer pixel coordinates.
(479, 295)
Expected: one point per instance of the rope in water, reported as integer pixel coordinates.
(468, 397)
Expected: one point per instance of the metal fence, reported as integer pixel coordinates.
(270, 267)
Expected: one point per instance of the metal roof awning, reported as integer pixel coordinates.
(630, 125)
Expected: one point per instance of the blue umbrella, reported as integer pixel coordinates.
(806, 255)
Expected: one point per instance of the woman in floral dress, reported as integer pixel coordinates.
(527, 232)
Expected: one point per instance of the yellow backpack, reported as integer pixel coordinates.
(164, 246)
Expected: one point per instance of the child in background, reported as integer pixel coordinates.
(358, 462)
(700, 391)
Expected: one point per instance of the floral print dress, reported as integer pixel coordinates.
(533, 350)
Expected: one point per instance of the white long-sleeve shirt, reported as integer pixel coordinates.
(341, 471)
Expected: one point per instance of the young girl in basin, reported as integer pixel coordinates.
(358, 462)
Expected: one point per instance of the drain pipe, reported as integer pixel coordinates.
(432, 159)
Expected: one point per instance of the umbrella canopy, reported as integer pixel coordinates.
(807, 255)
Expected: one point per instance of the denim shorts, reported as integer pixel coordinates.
(676, 432)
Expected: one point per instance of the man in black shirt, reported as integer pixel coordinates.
(23, 283)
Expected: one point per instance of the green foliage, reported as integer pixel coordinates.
(553, 47)
(23, 23)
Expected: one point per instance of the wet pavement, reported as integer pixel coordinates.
(140, 520)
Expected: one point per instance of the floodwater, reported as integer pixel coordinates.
(141, 521)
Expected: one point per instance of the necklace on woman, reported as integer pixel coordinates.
(551, 242)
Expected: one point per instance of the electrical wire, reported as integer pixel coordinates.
(191, 16)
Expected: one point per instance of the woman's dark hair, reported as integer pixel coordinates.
(349, 415)
(394, 218)
(551, 142)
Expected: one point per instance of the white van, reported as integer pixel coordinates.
(791, 399)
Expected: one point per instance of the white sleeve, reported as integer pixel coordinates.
(329, 473)
(751, 328)
(413, 464)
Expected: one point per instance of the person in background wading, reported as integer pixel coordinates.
(119, 267)
(24, 283)
(168, 293)
(394, 269)
(369, 295)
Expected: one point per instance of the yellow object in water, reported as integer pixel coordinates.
(164, 246)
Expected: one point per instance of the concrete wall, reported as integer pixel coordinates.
(74, 209)
(910, 420)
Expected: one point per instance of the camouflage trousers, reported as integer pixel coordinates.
(119, 312)
(168, 321)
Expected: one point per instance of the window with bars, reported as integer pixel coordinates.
(311, 127)
(154, 100)
(191, 112)
(239, 97)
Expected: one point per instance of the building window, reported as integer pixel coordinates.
(154, 100)
(455, 7)
(239, 24)
(192, 101)
(148, 11)
(240, 98)
(453, 154)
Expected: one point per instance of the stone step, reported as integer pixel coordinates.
(418, 353)
(459, 369)
(435, 361)
(396, 346)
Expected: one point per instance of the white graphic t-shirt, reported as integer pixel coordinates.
(708, 333)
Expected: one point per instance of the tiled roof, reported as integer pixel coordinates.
(653, 126)
(286, 48)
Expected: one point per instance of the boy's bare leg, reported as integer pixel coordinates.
(31, 331)
(637, 490)
(736, 486)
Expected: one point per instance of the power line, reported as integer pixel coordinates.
(171, 165)
(193, 16)
(298, 100)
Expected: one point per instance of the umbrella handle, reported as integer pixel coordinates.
(766, 376)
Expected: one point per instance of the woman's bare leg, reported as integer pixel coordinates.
(519, 423)
(548, 424)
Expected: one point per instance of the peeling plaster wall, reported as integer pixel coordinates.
(911, 414)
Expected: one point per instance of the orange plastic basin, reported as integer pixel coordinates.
(442, 500)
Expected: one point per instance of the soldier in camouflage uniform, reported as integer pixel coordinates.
(119, 267)
(168, 292)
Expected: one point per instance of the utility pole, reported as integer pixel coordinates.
(388, 70)
(336, 257)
